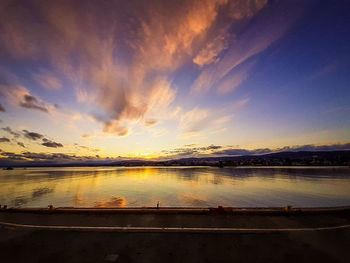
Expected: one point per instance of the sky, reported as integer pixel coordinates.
(91, 80)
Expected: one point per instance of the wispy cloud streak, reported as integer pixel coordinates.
(261, 33)
(121, 56)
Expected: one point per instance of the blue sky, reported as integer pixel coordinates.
(142, 78)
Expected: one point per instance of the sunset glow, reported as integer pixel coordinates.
(101, 80)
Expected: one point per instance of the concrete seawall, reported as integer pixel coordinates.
(183, 210)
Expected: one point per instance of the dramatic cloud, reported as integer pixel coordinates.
(53, 158)
(269, 27)
(210, 52)
(115, 128)
(51, 144)
(18, 95)
(191, 151)
(185, 152)
(31, 158)
(120, 64)
(32, 135)
(31, 102)
(123, 92)
(151, 68)
(4, 139)
(10, 131)
(212, 147)
(21, 144)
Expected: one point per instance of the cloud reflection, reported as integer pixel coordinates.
(114, 201)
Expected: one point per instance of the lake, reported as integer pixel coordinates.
(175, 186)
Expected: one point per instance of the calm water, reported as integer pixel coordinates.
(188, 186)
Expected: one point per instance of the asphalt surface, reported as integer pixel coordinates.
(26, 245)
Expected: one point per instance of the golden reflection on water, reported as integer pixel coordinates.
(115, 201)
(182, 186)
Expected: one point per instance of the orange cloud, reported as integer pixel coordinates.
(259, 36)
(151, 122)
(121, 56)
(115, 127)
(21, 97)
(169, 35)
(212, 49)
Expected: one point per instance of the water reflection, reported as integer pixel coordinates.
(115, 201)
(175, 186)
(20, 201)
(41, 191)
(194, 200)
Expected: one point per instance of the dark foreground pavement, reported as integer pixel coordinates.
(26, 245)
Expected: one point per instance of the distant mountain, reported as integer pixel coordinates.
(309, 158)
(280, 158)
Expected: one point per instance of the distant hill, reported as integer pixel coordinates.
(280, 158)
(309, 158)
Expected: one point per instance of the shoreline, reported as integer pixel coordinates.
(173, 166)
(288, 210)
(221, 217)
